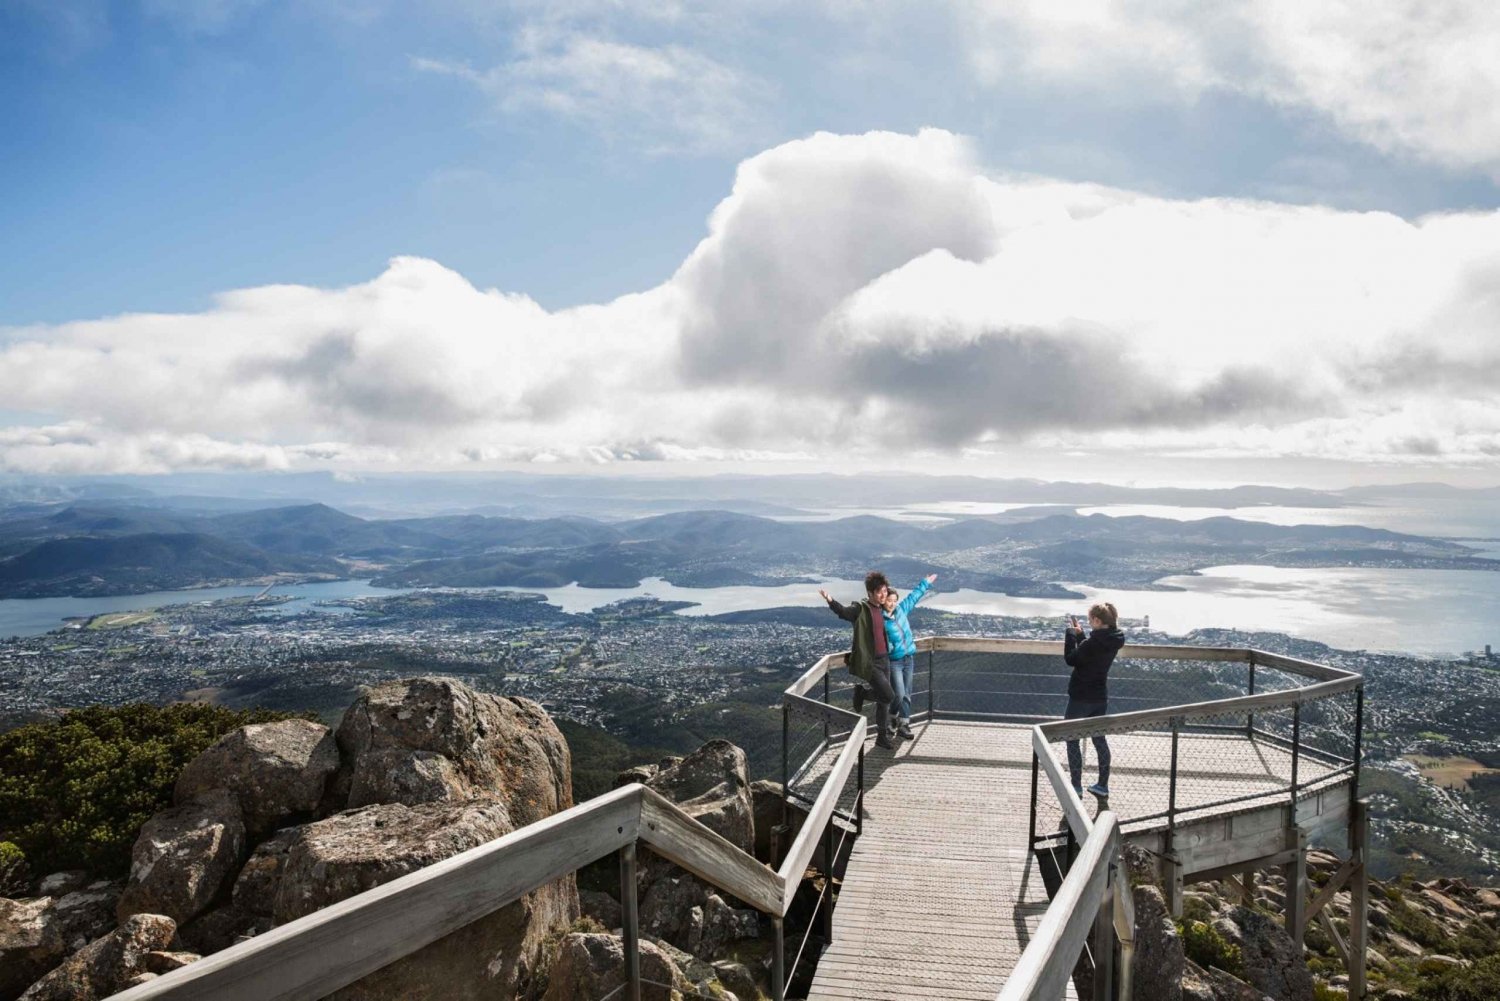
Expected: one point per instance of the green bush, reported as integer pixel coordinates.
(1322, 992)
(74, 793)
(1480, 982)
(1206, 947)
(1478, 940)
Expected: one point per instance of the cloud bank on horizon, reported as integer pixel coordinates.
(854, 294)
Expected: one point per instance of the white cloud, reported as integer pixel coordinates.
(1412, 77)
(855, 295)
(663, 99)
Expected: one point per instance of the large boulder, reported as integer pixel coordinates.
(31, 943)
(276, 771)
(1159, 958)
(183, 857)
(434, 739)
(592, 965)
(88, 912)
(1274, 964)
(106, 966)
(351, 852)
(712, 786)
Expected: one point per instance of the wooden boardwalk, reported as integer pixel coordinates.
(941, 892)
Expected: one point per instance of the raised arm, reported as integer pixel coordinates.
(849, 613)
(915, 594)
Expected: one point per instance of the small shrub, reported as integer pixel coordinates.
(1323, 992)
(1480, 982)
(1478, 940)
(1205, 946)
(15, 873)
(75, 792)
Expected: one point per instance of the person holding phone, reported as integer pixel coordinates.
(1088, 685)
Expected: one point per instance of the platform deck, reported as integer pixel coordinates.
(941, 892)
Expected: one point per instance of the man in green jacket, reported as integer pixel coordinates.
(869, 657)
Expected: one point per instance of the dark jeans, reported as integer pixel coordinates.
(1078, 709)
(880, 686)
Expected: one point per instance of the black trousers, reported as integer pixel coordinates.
(880, 685)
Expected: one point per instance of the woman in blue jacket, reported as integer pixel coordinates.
(903, 647)
(1088, 689)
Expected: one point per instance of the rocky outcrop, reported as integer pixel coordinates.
(712, 786)
(88, 912)
(358, 850)
(433, 739)
(108, 965)
(275, 771)
(591, 965)
(1273, 963)
(31, 943)
(1159, 960)
(183, 858)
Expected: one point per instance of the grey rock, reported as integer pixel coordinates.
(255, 887)
(1274, 964)
(601, 907)
(31, 943)
(457, 745)
(592, 965)
(15, 873)
(738, 978)
(222, 927)
(183, 857)
(59, 883)
(88, 912)
(163, 961)
(275, 771)
(106, 966)
(1159, 959)
(1199, 984)
(357, 850)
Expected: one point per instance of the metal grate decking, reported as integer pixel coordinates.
(942, 893)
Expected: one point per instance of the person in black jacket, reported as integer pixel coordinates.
(869, 655)
(1088, 690)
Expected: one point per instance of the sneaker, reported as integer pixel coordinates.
(904, 730)
(1099, 789)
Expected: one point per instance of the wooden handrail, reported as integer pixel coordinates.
(806, 843)
(1047, 963)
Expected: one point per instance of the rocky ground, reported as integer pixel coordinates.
(278, 820)
(1424, 938)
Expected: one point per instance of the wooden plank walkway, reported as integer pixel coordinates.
(941, 893)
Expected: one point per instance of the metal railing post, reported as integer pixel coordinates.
(1172, 785)
(630, 923)
(1035, 768)
(1359, 736)
(828, 865)
(1250, 717)
(786, 776)
(1296, 753)
(825, 702)
(778, 961)
(931, 687)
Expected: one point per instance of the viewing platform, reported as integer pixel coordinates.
(963, 864)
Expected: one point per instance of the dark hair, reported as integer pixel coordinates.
(1105, 613)
(874, 581)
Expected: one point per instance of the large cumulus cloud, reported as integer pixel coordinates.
(852, 293)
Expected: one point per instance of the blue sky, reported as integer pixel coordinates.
(164, 153)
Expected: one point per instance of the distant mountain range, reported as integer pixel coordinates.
(121, 548)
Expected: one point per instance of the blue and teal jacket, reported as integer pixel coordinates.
(897, 630)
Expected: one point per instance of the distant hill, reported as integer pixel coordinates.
(137, 563)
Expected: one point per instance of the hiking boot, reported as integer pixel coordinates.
(904, 730)
(884, 740)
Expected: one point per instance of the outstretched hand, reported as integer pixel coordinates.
(824, 594)
(931, 579)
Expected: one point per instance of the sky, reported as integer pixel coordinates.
(1100, 239)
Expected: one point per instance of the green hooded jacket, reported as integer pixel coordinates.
(863, 656)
